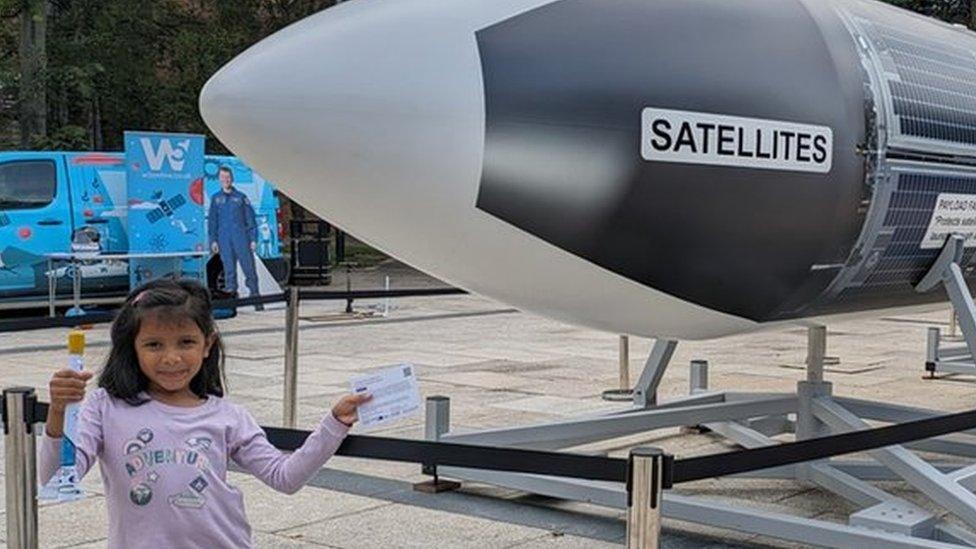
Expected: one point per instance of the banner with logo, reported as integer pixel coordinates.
(166, 216)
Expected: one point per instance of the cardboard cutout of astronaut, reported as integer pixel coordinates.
(233, 236)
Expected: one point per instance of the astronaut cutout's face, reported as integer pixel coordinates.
(226, 180)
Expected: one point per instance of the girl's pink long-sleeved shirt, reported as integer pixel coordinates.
(165, 468)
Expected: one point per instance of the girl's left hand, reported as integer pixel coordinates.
(346, 409)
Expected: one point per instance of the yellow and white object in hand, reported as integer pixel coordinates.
(65, 484)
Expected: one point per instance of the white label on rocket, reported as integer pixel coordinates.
(719, 140)
(953, 214)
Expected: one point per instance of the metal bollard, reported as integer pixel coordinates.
(816, 353)
(437, 418)
(698, 377)
(437, 424)
(20, 470)
(932, 351)
(645, 496)
(624, 357)
(291, 358)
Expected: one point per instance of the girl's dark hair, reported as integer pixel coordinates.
(171, 300)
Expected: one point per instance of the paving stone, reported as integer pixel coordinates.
(406, 527)
(263, 540)
(74, 523)
(489, 380)
(303, 390)
(558, 541)
(557, 405)
(264, 505)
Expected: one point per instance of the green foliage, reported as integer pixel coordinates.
(64, 138)
(116, 65)
(953, 11)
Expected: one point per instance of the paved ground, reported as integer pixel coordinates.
(500, 368)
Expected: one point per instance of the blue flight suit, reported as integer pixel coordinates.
(232, 226)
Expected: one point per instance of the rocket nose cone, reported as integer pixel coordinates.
(255, 96)
(361, 100)
(364, 107)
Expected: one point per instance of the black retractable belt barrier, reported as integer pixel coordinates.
(492, 458)
(443, 453)
(248, 301)
(614, 469)
(790, 453)
(377, 294)
(100, 317)
(25, 324)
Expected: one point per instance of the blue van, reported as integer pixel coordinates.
(58, 202)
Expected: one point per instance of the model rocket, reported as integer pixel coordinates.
(675, 168)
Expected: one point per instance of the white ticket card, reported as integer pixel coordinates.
(395, 394)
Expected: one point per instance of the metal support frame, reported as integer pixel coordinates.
(946, 271)
(290, 408)
(20, 468)
(645, 391)
(751, 420)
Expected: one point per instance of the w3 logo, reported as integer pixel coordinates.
(175, 156)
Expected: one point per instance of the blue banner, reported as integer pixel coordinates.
(166, 213)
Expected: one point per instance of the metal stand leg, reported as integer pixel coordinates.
(52, 287)
(20, 470)
(76, 310)
(291, 358)
(437, 423)
(645, 497)
(947, 272)
(645, 391)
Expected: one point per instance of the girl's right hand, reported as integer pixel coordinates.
(67, 386)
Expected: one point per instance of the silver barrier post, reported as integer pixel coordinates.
(76, 284)
(932, 351)
(624, 358)
(645, 493)
(437, 417)
(52, 287)
(291, 358)
(437, 422)
(20, 468)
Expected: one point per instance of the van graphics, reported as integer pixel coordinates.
(702, 138)
(93, 199)
(164, 150)
(163, 171)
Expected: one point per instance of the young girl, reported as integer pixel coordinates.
(163, 435)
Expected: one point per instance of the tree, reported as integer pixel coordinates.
(32, 97)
